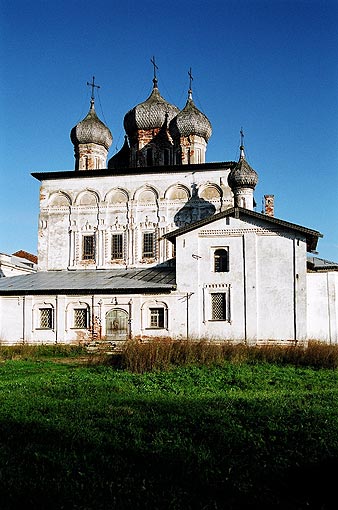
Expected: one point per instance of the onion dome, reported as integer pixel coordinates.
(122, 158)
(242, 175)
(150, 114)
(91, 130)
(190, 121)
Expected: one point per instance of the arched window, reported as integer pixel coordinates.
(221, 260)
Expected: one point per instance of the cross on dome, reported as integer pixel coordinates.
(93, 86)
(152, 60)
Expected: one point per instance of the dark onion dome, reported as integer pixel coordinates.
(242, 175)
(150, 114)
(122, 158)
(91, 130)
(190, 121)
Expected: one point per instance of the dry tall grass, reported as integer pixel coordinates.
(161, 354)
(164, 353)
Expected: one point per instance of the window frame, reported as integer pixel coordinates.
(225, 315)
(158, 313)
(146, 254)
(120, 250)
(85, 315)
(50, 319)
(221, 262)
(86, 254)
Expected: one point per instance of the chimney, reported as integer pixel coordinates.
(269, 203)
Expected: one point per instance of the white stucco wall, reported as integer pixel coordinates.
(322, 306)
(266, 281)
(20, 316)
(130, 204)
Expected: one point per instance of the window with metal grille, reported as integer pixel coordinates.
(221, 261)
(148, 245)
(156, 317)
(46, 318)
(117, 246)
(218, 306)
(88, 248)
(80, 318)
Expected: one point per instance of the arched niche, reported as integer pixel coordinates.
(117, 196)
(210, 192)
(59, 200)
(177, 192)
(146, 195)
(87, 198)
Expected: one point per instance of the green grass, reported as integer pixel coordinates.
(235, 436)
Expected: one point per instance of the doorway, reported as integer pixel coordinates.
(117, 325)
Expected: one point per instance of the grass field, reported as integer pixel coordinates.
(236, 435)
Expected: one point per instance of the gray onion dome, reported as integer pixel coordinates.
(150, 114)
(242, 175)
(190, 121)
(91, 130)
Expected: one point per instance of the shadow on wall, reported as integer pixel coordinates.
(194, 209)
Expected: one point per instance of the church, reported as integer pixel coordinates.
(156, 242)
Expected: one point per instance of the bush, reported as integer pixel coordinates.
(162, 354)
(26, 351)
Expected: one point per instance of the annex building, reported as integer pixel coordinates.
(157, 242)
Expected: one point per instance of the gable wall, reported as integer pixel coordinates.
(267, 298)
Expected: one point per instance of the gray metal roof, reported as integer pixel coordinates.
(149, 280)
(316, 264)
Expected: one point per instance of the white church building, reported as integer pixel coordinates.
(157, 242)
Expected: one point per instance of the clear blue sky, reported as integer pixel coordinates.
(270, 66)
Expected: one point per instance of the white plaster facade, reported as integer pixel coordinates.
(130, 205)
(322, 311)
(175, 250)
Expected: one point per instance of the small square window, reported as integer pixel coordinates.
(80, 318)
(46, 318)
(156, 317)
(117, 246)
(88, 248)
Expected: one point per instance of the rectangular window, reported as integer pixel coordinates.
(148, 245)
(218, 307)
(88, 248)
(156, 317)
(117, 246)
(221, 260)
(80, 318)
(46, 318)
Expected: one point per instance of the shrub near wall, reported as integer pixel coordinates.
(162, 354)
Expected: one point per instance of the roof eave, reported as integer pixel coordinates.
(311, 235)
